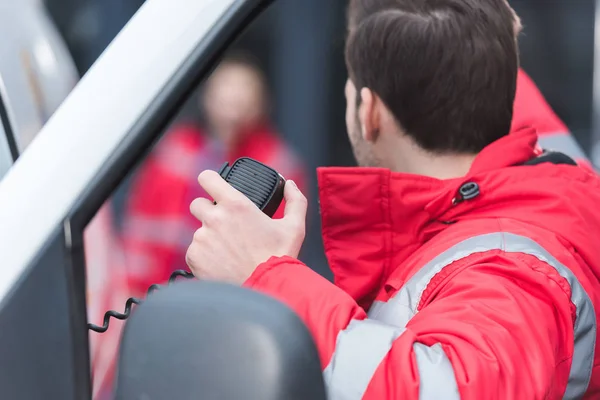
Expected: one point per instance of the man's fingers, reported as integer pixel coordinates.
(217, 187)
(201, 208)
(295, 204)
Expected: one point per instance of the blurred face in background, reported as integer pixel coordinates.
(234, 101)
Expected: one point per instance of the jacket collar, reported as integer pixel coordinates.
(373, 219)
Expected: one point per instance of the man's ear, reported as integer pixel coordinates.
(368, 115)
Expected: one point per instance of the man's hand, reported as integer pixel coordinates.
(236, 236)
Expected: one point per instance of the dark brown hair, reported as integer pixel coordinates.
(447, 69)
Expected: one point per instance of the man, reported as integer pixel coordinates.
(461, 269)
(157, 222)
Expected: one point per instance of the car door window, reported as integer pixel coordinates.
(151, 207)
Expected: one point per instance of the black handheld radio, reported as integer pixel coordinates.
(260, 183)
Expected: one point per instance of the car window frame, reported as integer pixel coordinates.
(140, 139)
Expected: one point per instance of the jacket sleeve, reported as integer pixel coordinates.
(501, 330)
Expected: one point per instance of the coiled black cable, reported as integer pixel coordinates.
(133, 300)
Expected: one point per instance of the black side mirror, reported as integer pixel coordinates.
(199, 340)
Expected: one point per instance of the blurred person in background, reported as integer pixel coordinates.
(157, 221)
(531, 109)
(466, 263)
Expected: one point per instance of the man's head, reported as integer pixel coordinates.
(430, 76)
(235, 97)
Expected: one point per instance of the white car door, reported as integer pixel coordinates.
(84, 151)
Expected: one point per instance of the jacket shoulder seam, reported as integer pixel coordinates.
(455, 268)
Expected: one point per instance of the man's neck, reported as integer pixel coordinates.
(417, 161)
(444, 167)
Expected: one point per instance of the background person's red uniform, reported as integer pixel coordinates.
(158, 226)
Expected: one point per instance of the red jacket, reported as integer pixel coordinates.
(531, 109)
(158, 225)
(437, 296)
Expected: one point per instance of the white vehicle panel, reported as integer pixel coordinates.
(85, 131)
(36, 67)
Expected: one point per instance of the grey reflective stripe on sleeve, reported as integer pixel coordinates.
(585, 323)
(436, 375)
(359, 350)
(564, 143)
(403, 306)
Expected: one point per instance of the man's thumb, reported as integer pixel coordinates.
(295, 202)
